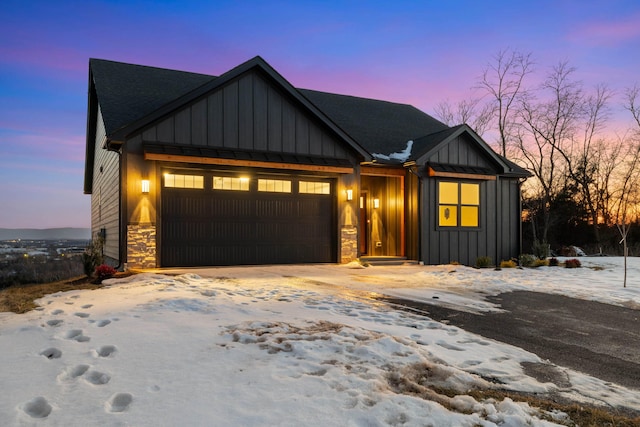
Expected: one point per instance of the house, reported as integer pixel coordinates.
(187, 169)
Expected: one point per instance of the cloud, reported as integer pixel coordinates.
(609, 33)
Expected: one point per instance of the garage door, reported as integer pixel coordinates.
(218, 219)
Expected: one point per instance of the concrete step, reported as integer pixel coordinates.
(387, 260)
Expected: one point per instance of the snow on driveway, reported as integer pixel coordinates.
(285, 345)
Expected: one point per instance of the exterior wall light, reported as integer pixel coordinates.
(376, 203)
(145, 186)
(349, 194)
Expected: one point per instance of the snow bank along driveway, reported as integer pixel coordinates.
(286, 345)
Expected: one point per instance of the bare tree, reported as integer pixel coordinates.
(469, 111)
(632, 104)
(627, 197)
(503, 79)
(587, 155)
(546, 127)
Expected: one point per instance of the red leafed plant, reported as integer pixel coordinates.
(105, 271)
(572, 263)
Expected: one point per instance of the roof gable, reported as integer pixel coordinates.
(256, 64)
(429, 146)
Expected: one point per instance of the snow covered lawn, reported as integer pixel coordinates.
(284, 346)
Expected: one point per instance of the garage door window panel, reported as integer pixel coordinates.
(230, 183)
(314, 187)
(274, 185)
(172, 180)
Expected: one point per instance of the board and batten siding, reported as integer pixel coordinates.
(248, 114)
(462, 151)
(444, 245)
(498, 235)
(105, 200)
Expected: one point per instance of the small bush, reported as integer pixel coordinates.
(105, 271)
(508, 264)
(92, 255)
(541, 263)
(553, 262)
(572, 263)
(483, 262)
(528, 260)
(540, 249)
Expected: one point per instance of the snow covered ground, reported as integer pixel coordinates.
(284, 346)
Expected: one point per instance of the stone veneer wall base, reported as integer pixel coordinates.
(348, 244)
(141, 246)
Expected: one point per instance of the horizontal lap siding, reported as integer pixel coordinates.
(105, 201)
(248, 114)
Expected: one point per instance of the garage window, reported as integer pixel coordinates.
(314, 187)
(172, 180)
(274, 185)
(230, 183)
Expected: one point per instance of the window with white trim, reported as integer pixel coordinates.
(458, 204)
(172, 180)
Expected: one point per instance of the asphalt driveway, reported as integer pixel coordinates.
(600, 340)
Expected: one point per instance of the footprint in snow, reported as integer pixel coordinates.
(56, 312)
(37, 408)
(82, 315)
(105, 351)
(76, 335)
(97, 378)
(54, 322)
(51, 353)
(72, 373)
(86, 306)
(119, 402)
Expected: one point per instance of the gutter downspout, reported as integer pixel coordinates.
(498, 215)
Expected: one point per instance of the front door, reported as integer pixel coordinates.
(382, 216)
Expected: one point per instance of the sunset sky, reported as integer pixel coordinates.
(415, 52)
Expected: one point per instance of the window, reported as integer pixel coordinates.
(312, 187)
(183, 181)
(230, 183)
(274, 185)
(458, 204)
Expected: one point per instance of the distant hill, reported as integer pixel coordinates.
(45, 233)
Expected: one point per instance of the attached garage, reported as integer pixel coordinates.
(222, 218)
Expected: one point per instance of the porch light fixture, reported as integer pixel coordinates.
(349, 194)
(376, 203)
(145, 186)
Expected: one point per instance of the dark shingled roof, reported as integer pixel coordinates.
(129, 92)
(379, 126)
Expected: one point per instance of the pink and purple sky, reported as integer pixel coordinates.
(415, 52)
